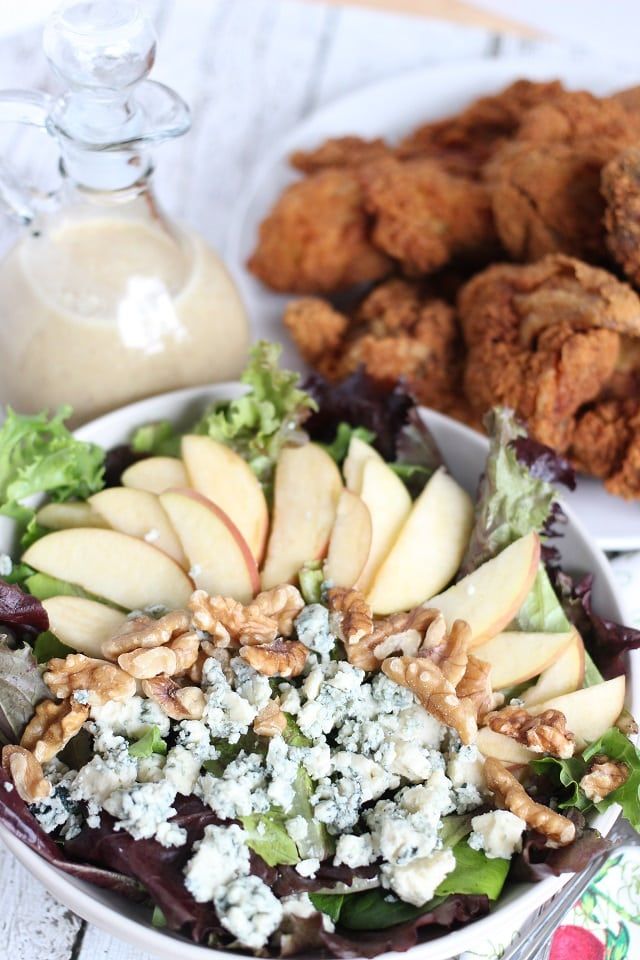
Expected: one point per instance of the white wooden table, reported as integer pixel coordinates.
(250, 70)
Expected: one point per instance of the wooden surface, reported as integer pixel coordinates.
(250, 69)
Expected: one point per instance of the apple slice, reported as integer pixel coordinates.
(563, 676)
(358, 455)
(429, 548)
(222, 476)
(389, 503)
(516, 657)
(221, 562)
(490, 597)
(590, 711)
(155, 474)
(138, 513)
(82, 624)
(64, 516)
(506, 749)
(113, 565)
(350, 541)
(307, 489)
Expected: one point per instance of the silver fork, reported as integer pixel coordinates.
(535, 938)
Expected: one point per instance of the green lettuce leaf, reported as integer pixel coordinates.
(317, 841)
(40, 455)
(542, 611)
(511, 501)
(339, 446)
(267, 835)
(474, 873)
(150, 742)
(157, 439)
(310, 579)
(48, 646)
(294, 735)
(329, 903)
(373, 910)
(258, 424)
(566, 774)
(21, 688)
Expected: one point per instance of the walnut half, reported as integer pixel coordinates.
(545, 732)
(436, 694)
(103, 681)
(603, 777)
(271, 721)
(26, 773)
(282, 658)
(559, 830)
(52, 726)
(179, 703)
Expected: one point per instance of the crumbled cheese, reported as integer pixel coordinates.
(227, 715)
(250, 684)
(354, 851)
(6, 565)
(312, 629)
(337, 804)
(282, 771)
(220, 857)
(131, 718)
(142, 808)
(289, 699)
(312, 683)
(171, 835)
(416, 882)
(81, 696)
(297, 828)
(498, 833)
(465, 769)
(182, 769)
(151, 769)
(248, 909)
(58, 809)
(241, 790)
(374, 779)
(8, 787)
(316, 760)
(308, 868)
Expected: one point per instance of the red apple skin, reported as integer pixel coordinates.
(576, 943)
(252, 567)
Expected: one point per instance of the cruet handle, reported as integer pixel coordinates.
(19, 199)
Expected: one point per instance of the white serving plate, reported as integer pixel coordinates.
(389, 109)
(465, 453)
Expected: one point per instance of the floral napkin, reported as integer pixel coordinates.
(604, 924)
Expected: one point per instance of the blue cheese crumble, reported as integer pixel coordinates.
(248, 909)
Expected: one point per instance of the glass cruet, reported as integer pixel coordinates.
(102, 299)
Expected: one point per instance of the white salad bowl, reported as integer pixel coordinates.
(464, 452)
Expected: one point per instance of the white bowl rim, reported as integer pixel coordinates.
(77, 894)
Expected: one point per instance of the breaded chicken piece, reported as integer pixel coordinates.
(621, 191)
(606, 444)
(397, 332)
(544, 339)
(424, 216)
(547, 200)
(318, 331)
(340, 152)
(545, 184)
(316, 238)
(463, 143)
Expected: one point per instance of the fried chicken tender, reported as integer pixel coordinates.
(398, 331)
(621, 191)
(316, 238)
(545, 339)
(424, 216)
(545, 184)
(463, 143)
(340, 152)
(606, 444)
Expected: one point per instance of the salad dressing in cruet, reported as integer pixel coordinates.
(103, 300)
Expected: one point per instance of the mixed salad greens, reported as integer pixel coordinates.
(362, 821)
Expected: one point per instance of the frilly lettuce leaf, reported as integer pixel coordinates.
(40, 455)
(566, 774)
(21, 688)
(542, 611)
(339, 446)
(258, 424)
(512, 500)
(158, 439)
(150, 742)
